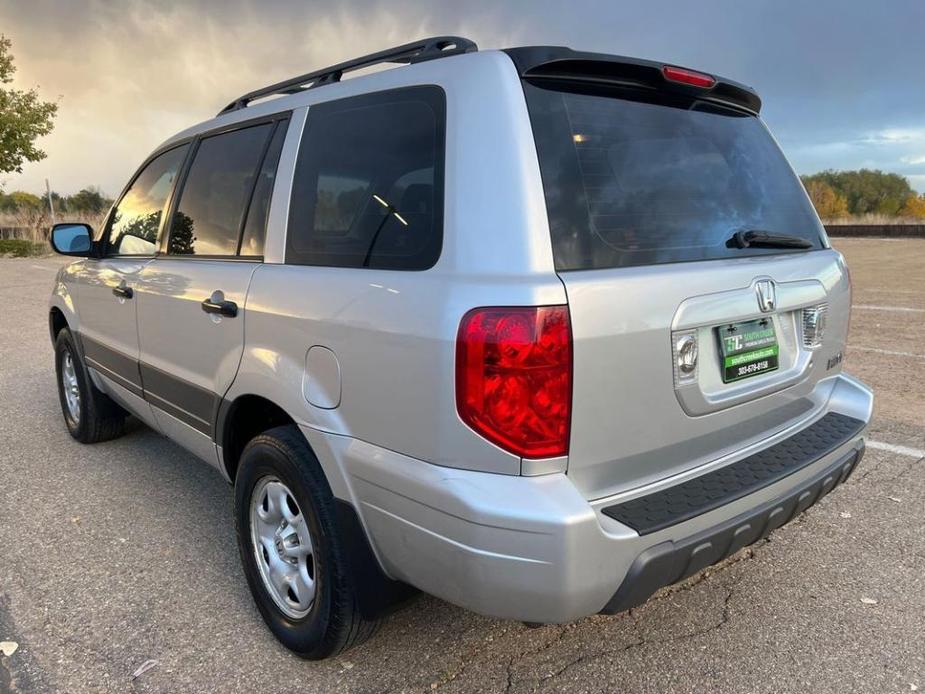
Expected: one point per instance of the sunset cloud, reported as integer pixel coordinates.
(840, 82)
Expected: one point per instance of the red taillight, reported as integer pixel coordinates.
(685, 76)
(514, 377)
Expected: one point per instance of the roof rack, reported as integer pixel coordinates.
(419, 51)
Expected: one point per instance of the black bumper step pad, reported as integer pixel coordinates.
(662, 509)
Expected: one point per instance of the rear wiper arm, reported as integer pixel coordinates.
(756, 238)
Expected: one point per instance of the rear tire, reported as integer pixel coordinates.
(90, 415)
(292, 552)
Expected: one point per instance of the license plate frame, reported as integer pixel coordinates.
(747, 349)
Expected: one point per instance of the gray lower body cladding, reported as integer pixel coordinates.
(670, 562)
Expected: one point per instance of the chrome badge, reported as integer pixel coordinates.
(767, 298)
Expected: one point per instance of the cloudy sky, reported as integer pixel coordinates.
(843, 81)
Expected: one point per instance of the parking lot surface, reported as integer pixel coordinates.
(116, 554)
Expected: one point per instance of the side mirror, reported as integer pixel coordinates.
(72, 239)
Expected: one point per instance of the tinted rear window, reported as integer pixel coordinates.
(638, 182)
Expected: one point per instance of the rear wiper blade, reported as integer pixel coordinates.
(757, 238)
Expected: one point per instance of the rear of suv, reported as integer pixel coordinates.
(535, 331)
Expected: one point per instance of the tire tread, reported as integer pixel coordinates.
(348, 627)
(101, 418)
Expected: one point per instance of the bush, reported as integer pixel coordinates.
(915, 207)
(20, 248)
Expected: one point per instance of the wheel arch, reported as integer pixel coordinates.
(240, 420)
(57, 322)
(248, 415)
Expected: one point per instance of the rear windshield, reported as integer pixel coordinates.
(639, 181)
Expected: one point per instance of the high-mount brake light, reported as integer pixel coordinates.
(685, 76)
(514, 377)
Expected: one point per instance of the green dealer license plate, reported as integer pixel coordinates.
(748, 349)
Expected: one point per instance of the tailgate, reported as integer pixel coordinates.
(633, 420)
(649, 194)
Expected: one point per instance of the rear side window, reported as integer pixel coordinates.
(638, 182)
(368, 186)
(212, 206)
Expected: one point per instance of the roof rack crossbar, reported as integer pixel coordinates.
(418, 51)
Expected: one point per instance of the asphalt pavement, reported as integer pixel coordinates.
(124, 552)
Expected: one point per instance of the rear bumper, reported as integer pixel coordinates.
(534, 549)
(673, 561)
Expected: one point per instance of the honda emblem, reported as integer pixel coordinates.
(767, 299)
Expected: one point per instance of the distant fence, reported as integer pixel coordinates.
(896, 231)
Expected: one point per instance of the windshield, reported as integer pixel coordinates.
(638, 182)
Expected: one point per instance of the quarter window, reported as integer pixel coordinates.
(368, 185)
(136, 219)
(212, 205)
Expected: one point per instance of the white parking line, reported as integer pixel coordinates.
(42, 267)
(888, 351)
(893, 448)
(906, 309)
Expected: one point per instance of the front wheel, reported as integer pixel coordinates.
(293, 556)
(90, 415)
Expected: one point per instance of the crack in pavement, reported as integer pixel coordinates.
(634, 615)
(465, 660)
(510, 675)
(906, 469)
(724, 619)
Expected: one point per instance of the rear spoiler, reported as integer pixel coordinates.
(560, 63)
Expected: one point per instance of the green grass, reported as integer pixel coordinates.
(20, 248)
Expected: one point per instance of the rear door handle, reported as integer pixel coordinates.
(122, 291)
(219, 305)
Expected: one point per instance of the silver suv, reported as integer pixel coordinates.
(535, 331)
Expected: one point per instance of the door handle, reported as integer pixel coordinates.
(123, 292)
(217, 304)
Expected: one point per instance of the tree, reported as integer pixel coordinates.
(25, 201)
(914, 207)
(89, 200)
(23, 118)
(182, 241)
(828, 203)
(143, 227)
(867, 191)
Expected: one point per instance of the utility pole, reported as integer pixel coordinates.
(51, 204)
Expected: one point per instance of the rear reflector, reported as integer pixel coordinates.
(685, 76)
(514, 377)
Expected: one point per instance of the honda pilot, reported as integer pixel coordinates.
(535, 331)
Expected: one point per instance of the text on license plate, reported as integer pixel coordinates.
(747, 349)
